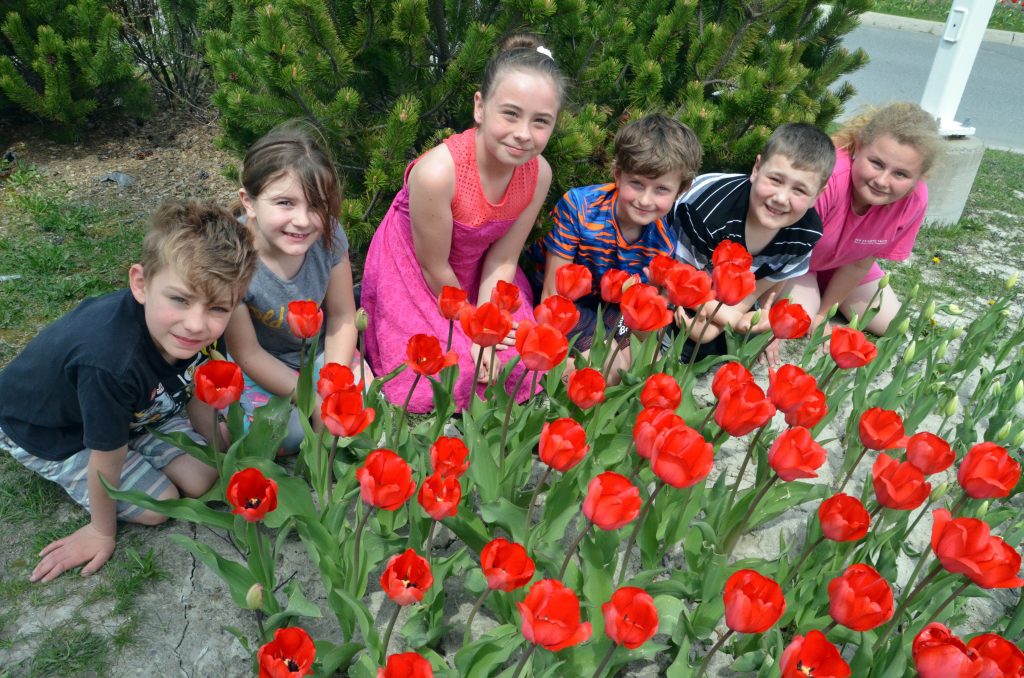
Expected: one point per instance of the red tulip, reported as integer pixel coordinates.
(558, 312)
(850, 348)
(611, 285)
(681, 457)
(732, 284)
(809, 412)
(661, 390)
(344, 415)
(586, 388)
(753, 602)
(439, 496)
(335, 377)
(988, 472)
(218, 383)
(788, 320)
(660, 268)
(731, 253)
(795, 454)
(643, 309)
(449, 457)
(1001, 652)
(929, 452)
(727, 376)
(612, 501)
(688, 287)
(789, 387)
(540, 346)
(630, 617)
(406, 578)
(650, 424)
(965, 546)
(563, 444)
(506, 565)
(899, 485)
(743, 408)
(406, 665)
(551, 616)
(304, 318)
(938, 653)
(574, 281)
(289, 655)
(506, 296)
(425, 356)
(813, 655)
(843, 518)
(860, 598)
(385, 480)
(881, 429)
(485, 325)
(451, 301)
(251, 494)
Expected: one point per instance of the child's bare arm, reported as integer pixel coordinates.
(263, 368)
(552, 263)
(340, 310)
(843, 281)
(92, 544)
(431, 189)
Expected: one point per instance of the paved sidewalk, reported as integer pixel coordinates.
(934, 27)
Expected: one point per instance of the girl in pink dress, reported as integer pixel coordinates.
(461, 220)
(871, 208)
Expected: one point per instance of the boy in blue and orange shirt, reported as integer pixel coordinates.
(620, 225)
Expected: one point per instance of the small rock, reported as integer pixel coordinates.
(120, 178)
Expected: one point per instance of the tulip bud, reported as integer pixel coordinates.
(883, 282)
(914, 292)
(853, 320)
(904, 326)
(216, 355)
(254, 597)
(1005, 313)
(908, 355)
(362, 320)
(1018, 439)
(940, 491)
(1011, 282)
(1018, 391)
(832, 311)
(756, 318)
(954, 309)
(1003, 432)
(940, 352)
(983, 510)
(951, 406)
(929, 310)
(957, 332)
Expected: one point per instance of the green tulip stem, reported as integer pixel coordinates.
(907, 600)
(522, 662)
(849, 474)
(764, 349)
(743, 466)
(634, 473)
(610, 360)
(572, 549)
(302, 355)
(215, 440)
(362, 359)
(711, 413)
(451, 333)
(953, 596)
(330, 472)
(404, 411)
(604, 662)
(259, 625)
(959, 505)
(391, 627)
(831, 625)
(707, 658)
(504, 425)
(828, 378)
(658, 337)
(737, 532)
(697, 344)
(808, 549)
(874, 513)
(476, 377)
(430, 539)
(920, 515)
(466, 636)
(636, 531)
(536, 492)
(358, 539)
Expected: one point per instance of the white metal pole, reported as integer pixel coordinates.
(954, 59)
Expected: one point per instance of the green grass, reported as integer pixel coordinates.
(1006, 16)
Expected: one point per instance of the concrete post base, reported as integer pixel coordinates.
(950, 180)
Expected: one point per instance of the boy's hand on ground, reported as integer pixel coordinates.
(84, 546)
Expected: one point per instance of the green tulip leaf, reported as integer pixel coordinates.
(238, 578)
(480, 658)
(192, 510)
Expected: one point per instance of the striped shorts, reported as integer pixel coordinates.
(147, 455)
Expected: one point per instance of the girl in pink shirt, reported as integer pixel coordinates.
(872, 208)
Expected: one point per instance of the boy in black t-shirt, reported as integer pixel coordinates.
(770, 212)
(78, 401)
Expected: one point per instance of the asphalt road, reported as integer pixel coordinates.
(901, 60)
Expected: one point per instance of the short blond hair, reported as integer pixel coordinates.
(204, 244)
(655, 145)
(906, 122)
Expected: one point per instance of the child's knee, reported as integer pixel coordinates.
(150, 518)
(203, 478)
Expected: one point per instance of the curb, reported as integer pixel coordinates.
(901, 23)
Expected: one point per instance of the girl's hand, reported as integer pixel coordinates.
(489, 370)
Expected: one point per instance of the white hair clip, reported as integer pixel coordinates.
(545, 51)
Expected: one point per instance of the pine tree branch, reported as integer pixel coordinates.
(441, 30)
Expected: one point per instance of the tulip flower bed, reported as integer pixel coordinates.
(600, 528)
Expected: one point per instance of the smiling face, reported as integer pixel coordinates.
(515, 121)
(283, 222)
(180, 321)
(780, 194)
(643, 200)
(883, 172)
